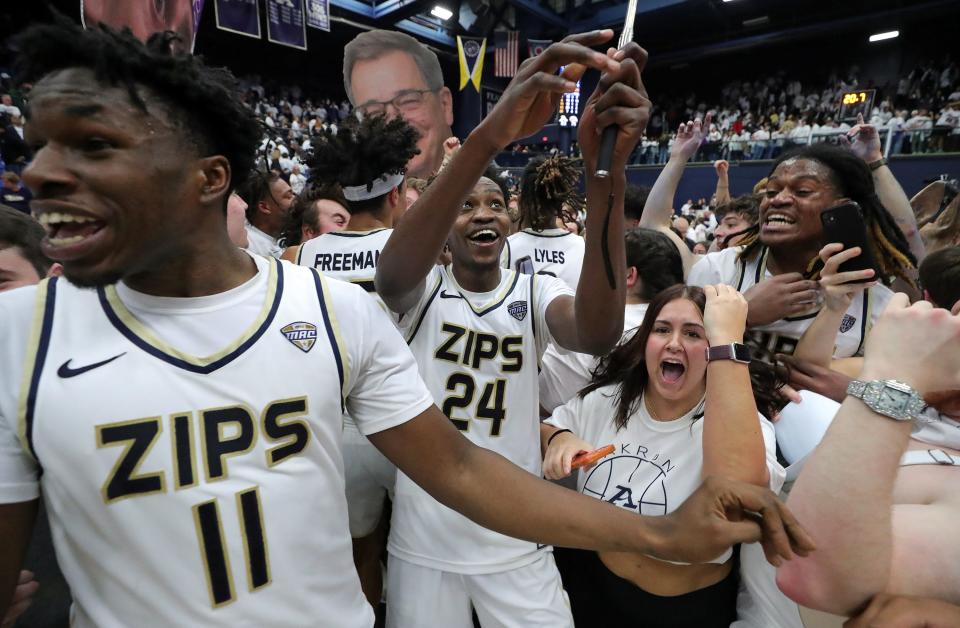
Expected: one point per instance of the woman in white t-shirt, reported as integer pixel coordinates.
(674, 416)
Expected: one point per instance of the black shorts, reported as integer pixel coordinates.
(599, 598)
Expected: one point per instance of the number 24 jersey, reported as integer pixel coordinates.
(478, 354)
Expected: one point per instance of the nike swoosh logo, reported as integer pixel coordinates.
(444, 295)
(65, 371)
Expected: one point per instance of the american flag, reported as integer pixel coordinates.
(507, 53)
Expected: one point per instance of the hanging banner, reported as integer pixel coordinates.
(318, 14)
(537, 46)
(470, 52)
(179, 16)
(286, 23)
(490, 99)
(239, 16)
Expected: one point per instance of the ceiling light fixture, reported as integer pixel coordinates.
(882, 36)
(441, 12)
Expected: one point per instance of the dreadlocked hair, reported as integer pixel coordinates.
(304, 211)
(362, 151)
(852, 179)
(546, 185)
(200, 100)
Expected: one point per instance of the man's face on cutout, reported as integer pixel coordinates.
(144, 17)
(395, 74)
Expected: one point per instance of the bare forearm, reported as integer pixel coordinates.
(895, 200)
(816, 344)
(536, 510)
(723, 189)
(601, 292)
(732, 440)
(657, 212)
(843, 497)
(415, 244)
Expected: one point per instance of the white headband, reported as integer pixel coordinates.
(379, 187)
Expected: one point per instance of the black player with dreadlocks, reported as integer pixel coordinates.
(777, 264)
(548, 199)
(367, 160)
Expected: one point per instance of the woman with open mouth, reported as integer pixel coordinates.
(677, 404)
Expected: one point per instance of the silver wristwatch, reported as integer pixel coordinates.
(889, 397)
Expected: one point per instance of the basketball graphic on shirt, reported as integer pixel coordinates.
(629, 482)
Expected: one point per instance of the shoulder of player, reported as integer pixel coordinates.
(723, 262)
(17, 305)
(341, 292)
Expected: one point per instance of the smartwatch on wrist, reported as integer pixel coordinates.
(735, 351)
(873, 165)
(892, 399)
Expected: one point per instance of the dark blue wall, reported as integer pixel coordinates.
(701, 180)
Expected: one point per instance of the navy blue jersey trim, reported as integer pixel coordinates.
(865, 317)
(341, 234)
(538, 234)
(516, 279)
(423, 312)
(187, 366)
(43, 345)
(331, 336)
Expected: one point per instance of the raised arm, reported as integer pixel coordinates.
(657, 212)
(722, 195)
(592, 321)
(864, 140)
(733, 444)
(868, 545)
(525, 106)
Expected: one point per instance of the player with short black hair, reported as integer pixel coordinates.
(367, 160)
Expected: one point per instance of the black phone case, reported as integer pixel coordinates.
(844, 223)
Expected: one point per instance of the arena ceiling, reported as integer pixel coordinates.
(680, 27)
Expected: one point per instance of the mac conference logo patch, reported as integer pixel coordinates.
(518, 310)
(302, 335)
(847, 323)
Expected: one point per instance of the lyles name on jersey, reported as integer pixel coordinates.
(547, 256)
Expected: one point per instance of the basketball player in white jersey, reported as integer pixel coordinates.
(547, 188)
(777, 266)
(183, 399)
(367, 159)
(478, 332)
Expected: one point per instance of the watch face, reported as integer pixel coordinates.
(893, 400)
(741, 352)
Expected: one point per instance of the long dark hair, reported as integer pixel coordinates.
(852, 179)
(626, 366)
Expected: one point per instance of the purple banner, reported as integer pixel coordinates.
(239, 16)
(143, 19)
(318, 14)
(286, 24)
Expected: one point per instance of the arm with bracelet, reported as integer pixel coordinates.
(876, 534)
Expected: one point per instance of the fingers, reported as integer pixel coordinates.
(25, 577)
(791, 393)
(832, 249)
(568, 456)
(573, 49)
